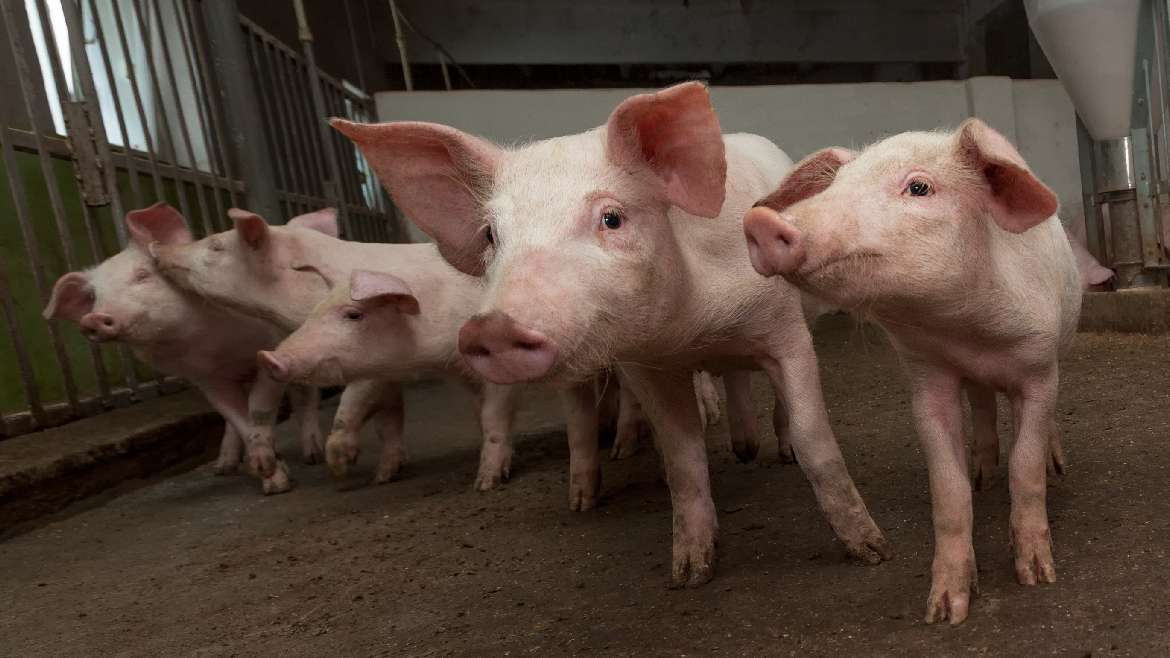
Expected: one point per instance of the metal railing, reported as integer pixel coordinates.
(114, 105)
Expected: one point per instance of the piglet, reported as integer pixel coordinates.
(622, 245)
(951, 243)
(125, 299)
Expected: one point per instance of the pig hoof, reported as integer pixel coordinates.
(389, 467)
(584, 490)
(339, 455)
(745, 451)
(262, 462)
(871, 550)
(1056, 464)
(1033, 557)
(279, 482)
(946, 605)
(984, 477)
(787, 456)
(951, 589)
(486, 481)
(312, 458)
(624, 446)
(693, 565)
(384, 475)
(226, 468)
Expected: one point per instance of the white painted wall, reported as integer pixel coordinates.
(1036, 114)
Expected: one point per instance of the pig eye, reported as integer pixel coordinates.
(216, 245)
(918, 187)
(487, 234)
(611, 218)
(352, 314)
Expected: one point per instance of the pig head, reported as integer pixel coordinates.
(365, 327)
(124, 298)
(263, 271)
(574, 278)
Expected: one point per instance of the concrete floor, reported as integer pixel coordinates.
(204, 565)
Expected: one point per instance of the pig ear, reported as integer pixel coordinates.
(158, 223)
(438, 176)
(676, 134)
(72, 298)
(1018, 200)
(379, 288)
(809, 177)
(322, 221)
(252, 228)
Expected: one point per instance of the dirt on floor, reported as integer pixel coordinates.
(204, 565)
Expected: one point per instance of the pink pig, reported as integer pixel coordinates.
(949, 242)
(622, 245)
(125, 299)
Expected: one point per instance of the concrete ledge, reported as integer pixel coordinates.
(1141, 311)
(42, 473)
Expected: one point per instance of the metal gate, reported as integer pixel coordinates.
(111, 105)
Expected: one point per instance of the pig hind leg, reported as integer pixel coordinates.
(669, 401)
(390, 422)
(580, 404)
(231, 450)
(741, 415)
(497, 408)
(631, 424)
(306, 403)
(984, 436)
(780, 427)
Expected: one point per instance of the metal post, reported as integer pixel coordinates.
(246, 139)
(325, 132)
(398, 36)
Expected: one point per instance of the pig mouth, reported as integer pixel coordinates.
(327, 372)
(836, 264)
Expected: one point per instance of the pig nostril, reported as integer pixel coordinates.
(109, 322)
(531, 346)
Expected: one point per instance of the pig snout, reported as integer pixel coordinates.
(275, 365)
(775, 246)
(100, 327)
(504, 351)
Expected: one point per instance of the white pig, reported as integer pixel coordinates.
(623, 245)
(950, 243)
(125, 299)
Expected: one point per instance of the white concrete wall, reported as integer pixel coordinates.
(1036, 114)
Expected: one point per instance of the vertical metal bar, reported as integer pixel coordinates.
(323, 129)
(264, 93)
(28, 376)
(401, 40)
(200, 95)
(75, 27)
(32, 248)
(292, 137)
(357, 60)
(213, 116)
(147, 134)
(446, 73)
(315, 185)
(247, 140)
(131, 168)
(182, 117)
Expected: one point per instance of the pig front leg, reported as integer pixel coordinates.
(792, 367)
(984, 436)
(390, 421)
(263, 408)
(627, 439)
(306, 407)
(231, 400)
(741, 415)
(580, 404)
(669, 401)
(497, 408)
(781, 428)
(231, 450)
(1034, 409)
(937, 411)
